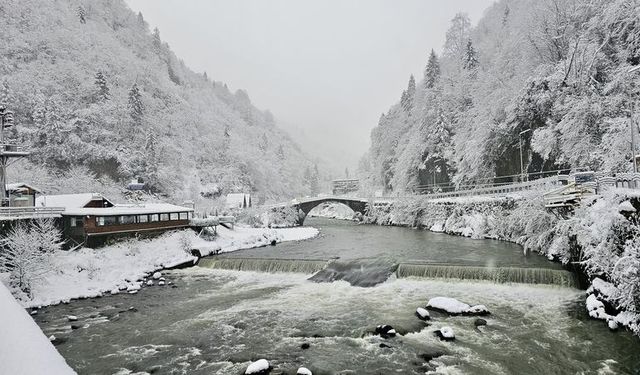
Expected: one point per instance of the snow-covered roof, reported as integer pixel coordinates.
(21, 185)
(68, 201)
(127, 209)
(237, 200)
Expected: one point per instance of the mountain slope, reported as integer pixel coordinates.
(93, 88)
(556, 70)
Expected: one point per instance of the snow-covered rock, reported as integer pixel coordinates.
(157, 275)
(149, 282)
(423, 313)
(452, 306)
(626, 207)
(304, 371)
(448, 305)
(72, 318)
(115, 291)
(613, 325)
(446, 334)
(260, 366)
(24, 349)
(161, 283)
(385, 331)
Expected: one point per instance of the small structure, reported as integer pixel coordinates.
(92, 219)
(345, 186)
(238, 201)
(22, 195)
(136, 184)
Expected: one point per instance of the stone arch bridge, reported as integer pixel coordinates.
(304, 206)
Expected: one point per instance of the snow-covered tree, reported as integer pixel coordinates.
(408, 95)
(432, 71)
(136, 108)
(81, 14)
(470, 57)
(457, 36)
(102, 86)
(25, 252)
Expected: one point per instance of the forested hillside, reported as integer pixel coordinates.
(96, 92)
(557, 67)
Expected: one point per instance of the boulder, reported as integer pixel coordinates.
(445, 334)
(431, 354)
(422, 313)
(452, 306)
(385, 331)
(157, 275)
(260, 367)
(161, 283)
(480, 322)
(150, 283)
(72, 318)
(613, 325)
(76, 326)
(305, 346)
(304, 371)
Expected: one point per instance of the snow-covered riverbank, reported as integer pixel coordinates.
(24, 349)
(601, 238)
(87, 273)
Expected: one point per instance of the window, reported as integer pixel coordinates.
(173, 216)
(76, 221)
(106, 220)
(143, 218)
(153, 217)
(127, 219)
(184, 216)
(164, 217)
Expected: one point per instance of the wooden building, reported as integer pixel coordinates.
(22, 195)
(93, 219)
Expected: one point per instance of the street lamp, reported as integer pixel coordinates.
(633, 141)
(521, 160)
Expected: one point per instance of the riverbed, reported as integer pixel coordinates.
(212, 321)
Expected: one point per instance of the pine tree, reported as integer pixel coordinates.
(151, 158)
(280, 153)
(314, 184)
(39, 112)
(432, 71)
(103, 88)
(264, 142)
(82, 14)
(408, 95)
(470, 57)
(157, 42)
(136, 108)
(206, 78)
(505, 17)
(141, 19)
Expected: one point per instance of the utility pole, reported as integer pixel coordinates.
(521, 159)
(6, 120)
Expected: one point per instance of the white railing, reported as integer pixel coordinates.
(30, 212)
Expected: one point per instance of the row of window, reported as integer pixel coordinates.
(134, 219)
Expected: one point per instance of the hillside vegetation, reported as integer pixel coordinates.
(97, 94)
(556, 67)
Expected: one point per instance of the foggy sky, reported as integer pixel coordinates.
(326, 69)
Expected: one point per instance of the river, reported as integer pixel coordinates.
(214, 321)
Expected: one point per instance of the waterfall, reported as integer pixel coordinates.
(497, 275)
(264, 264)
(357, 272)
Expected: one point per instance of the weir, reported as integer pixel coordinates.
(499, 275)
(308, 266)
(371, 272)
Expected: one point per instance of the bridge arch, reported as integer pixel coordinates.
(304, 207)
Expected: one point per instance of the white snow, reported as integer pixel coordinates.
(24, 349)
(447, 332)
(422, 313)
(303, 371)
(626, 206)
(87, 273)
(450, 305)
(157, 275)
(257, 366)
(478, 309)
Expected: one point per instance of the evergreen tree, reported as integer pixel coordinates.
(39, 112)
(141, 19)
(264, 143)
(82, 14)
(151, 158)
(314, 184)
(103, 88)
(505, 17)
(432, 71)
(157, 42)
(136, 108)
(280, 153)
(470, 57)
(206, 78)
(408, 95)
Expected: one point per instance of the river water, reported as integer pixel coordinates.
(214, 321)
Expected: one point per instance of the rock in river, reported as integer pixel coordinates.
(446, 334)
(385, 331)
(259, 367)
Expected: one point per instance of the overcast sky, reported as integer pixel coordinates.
(326, 69)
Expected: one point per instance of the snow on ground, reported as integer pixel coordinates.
(87, 273)
(24, 349)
